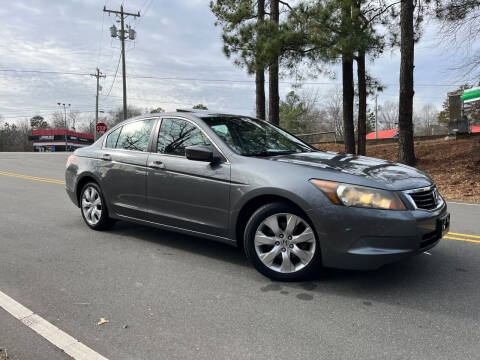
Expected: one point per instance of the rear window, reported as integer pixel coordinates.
(112, 139)
(136, 135)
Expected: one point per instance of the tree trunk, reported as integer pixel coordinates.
(406, 152)
(348, 93)
(260, 71)
(273, 94)
(347, 84)
(260, 92)
(362, 104)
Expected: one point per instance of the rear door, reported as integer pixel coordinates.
(183, 193)
(123, 168)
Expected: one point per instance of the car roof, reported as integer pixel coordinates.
(188, 113)
(192, 114)
(206, 113)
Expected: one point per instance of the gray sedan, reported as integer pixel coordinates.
(245, 182)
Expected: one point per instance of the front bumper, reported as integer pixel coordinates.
(359, 238)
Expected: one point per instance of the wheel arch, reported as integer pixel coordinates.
(82, 180)
(258, 200)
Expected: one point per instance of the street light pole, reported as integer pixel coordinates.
(66, 126)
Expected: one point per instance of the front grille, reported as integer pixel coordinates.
(426, 200)
(430, 238)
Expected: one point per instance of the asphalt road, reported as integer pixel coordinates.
(186, 298)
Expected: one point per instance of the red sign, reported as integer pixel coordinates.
(101, 128)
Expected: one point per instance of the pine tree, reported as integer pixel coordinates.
(240, 21)
(406, 151)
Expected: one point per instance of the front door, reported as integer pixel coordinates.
(182, 193)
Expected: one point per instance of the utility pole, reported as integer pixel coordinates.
(98, 74)
(376, 117)
(122, 36)
(66, 126)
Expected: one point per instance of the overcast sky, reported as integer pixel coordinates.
(176, 39)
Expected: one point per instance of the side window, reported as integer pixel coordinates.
(112, 139)
(136, 135)
(177, 134)
(223, 131)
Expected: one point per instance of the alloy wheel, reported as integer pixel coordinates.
(285, 243)
(92, 205)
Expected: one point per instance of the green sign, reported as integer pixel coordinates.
(471, 94)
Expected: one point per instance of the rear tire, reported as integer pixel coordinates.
(94, 208)
(281, 243)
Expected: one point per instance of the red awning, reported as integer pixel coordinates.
(383, 134)
(62, 132)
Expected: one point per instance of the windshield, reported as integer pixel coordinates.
(252, 137)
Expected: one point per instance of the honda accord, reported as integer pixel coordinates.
(246, 182)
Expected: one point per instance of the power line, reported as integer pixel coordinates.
(115, 76)
(171, 78)
(49, 114)
(41, 110)
(147, 8)
(45, 72)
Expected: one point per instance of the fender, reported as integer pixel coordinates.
(237, 207)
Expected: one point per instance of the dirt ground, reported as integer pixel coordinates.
(3, 354)
(453, 164)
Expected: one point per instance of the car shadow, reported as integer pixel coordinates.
(433, 282)
(168, 239)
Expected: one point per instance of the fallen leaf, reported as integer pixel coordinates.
(102, 321)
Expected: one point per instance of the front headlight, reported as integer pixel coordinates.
(360, 196)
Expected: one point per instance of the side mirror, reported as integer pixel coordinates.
(199, 153)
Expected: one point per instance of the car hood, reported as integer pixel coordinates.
(392, 175)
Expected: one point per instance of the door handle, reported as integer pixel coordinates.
(156, 164)
(106, 157)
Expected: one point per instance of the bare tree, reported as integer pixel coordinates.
(388, 115)
(73, 118)
(58, 120)
(117, 115)
(461, 30)
(424, 120)
(333, 112)
(14, 136)
(23, 133)
(300, 113)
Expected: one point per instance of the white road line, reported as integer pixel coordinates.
(57, 337)
(462, 203)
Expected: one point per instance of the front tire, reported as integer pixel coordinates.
(281, 243)
(93, 207)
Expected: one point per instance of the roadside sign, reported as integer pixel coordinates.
(471, 95)
(101, 128)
